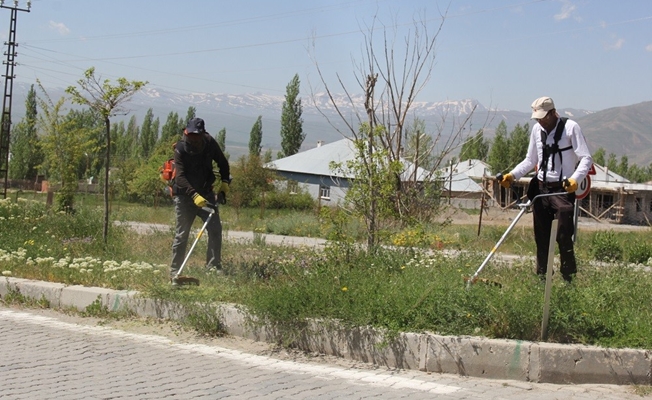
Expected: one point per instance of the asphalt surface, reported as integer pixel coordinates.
(48, 355)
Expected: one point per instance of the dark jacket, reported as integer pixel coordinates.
(194, 168)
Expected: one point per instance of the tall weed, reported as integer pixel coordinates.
(395, 288)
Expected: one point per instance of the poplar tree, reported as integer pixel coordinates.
(292, 135)
(256, 137)
(172, 128)
(26, 153)
(221, 139)
(476, 147)
(148, 135)
(499, 153)
(599, 156)
(132, 138)
(419, 146)
(119, 141)
(612, 164)
(519, 139)
(190, 114)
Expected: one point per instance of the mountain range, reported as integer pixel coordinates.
(620, 130)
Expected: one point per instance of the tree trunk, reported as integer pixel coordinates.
(372, 216)
(105, 232)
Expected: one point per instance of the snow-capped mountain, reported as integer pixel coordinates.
(238, 112)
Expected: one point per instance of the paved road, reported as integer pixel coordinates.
(46, 355)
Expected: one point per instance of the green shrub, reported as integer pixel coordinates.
(304, 225)
(605, 247)
(287, 200)
(638, 251)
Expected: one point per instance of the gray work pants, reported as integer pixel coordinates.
(186, 211)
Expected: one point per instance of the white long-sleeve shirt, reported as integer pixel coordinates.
(577, 160)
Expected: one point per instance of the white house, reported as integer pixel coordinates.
(312, 170)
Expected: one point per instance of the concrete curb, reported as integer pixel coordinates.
(462, 355)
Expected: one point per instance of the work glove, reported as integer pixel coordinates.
(199, 200)
(221, 193)
(570, 185)
(507, 181)
(224, 187)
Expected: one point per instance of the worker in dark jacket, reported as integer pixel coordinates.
(193, 190)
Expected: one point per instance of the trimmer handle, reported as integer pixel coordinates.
(221, 198)
(210, 207)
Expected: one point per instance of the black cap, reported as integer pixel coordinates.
(195, 125)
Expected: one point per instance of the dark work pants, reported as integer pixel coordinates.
(186, 211)
(545, 210)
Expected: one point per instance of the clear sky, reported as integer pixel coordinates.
(587, 54)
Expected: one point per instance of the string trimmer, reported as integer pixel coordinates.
(525, 207)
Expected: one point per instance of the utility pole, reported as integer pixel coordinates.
(5, 124)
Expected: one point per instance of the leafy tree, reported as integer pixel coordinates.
(267, 156)
(623, 166)
(292, 135)
(64, 143)
(599, 156)
(190, 114)
(375, 177)
(107, 101)
(519, 139)
(221, 139)
(155, 128)
(26, 152)
(120, 142)
(476, 147)
(20, 152)
(256, 137)
(612, 164)
(419, 146)
(148, 135)
(145, 184)
(636, 174)
(132, 138)
(247, 191)
(498, 157)
(172, 128)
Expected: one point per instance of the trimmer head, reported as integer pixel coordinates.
(186, 281)
(470, 281)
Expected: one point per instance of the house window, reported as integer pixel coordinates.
(639, 204)
(605, 201)
(325, 192)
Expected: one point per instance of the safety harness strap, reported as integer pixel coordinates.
(551, 150)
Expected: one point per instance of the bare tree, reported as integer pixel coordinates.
(397, 72)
